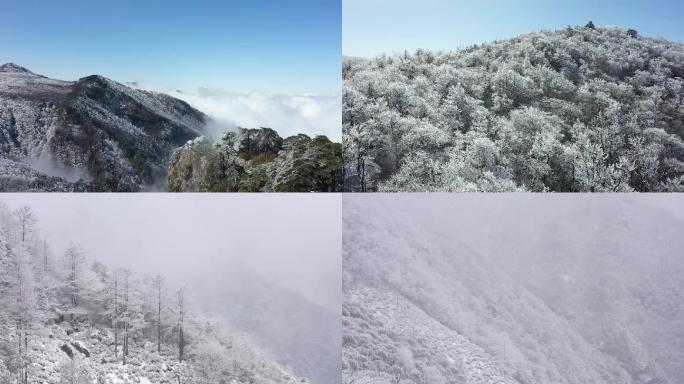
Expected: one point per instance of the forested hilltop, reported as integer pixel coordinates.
(68, 319)
(257, 160)
(579, 109)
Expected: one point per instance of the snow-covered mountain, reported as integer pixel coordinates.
(578, 109)
(471, 290)
(91, 134)
(95, 134)
(67, 319)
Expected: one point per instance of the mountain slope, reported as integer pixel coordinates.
(91, 134)
(66, 319)
(578, 109)
(298, 333)
(388, 338)
(592, 294)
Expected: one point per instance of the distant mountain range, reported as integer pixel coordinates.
(95, 134)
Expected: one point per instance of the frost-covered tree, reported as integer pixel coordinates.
(159, 288)
(26, 219)
(180, 323)
(75, 280)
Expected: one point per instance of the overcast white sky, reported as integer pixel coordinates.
(293, 240)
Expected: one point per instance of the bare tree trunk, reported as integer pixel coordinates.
(20, 319)
(26, 321)
(158, 281)
(45, 256)
(21, 353)
(123, 352)
(116, 339)
(115, 317)
(125, 342)
(181, 319)
(159, 306)
(126, 315)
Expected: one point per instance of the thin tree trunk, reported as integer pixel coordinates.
(125, 342)
(116, 339)
(115, 317)
(159, 318)
(26, 348)
(181, 319)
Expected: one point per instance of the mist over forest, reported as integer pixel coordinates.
(182, 296)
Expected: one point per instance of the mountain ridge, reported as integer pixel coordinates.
(116, 137)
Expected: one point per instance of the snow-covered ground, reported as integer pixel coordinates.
(512, 289)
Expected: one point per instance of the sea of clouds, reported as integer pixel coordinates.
(289, 114)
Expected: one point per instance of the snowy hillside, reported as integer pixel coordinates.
(388, 338)
(571, 291)
(577, 109)
(299, 333)
(67, 319)
(91, 134)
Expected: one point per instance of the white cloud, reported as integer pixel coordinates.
(289, 114)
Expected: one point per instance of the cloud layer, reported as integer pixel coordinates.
(288, 114)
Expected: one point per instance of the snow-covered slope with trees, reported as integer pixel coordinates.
(515, 290)
(67, 319)
(578, 109)
(90, 134)
(301, 334)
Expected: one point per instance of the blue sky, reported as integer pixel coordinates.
(371, 27)
(267, 45)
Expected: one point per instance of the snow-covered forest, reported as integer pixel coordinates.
(578, 109)
(67, 318)
(516, 289)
